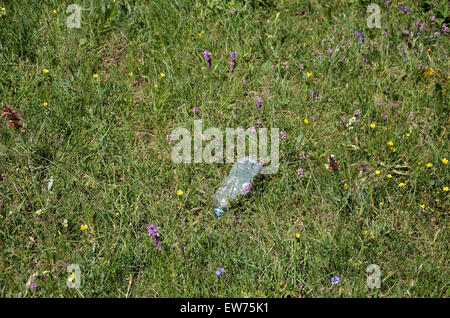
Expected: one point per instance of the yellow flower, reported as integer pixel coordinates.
(45, 70)
(308, 74)
(54, 11)
(95, 75)
(156, 86)
(445, 189)
(162, 75)
(345, 186)
(365, 232)
(393, 149)
(306, 121)
(444, 161)
(180, 192)
(429, 165)
(45, 103)
(408, 134)
(297, 235)
(130, 74)
(422, 206)
(83, 227)
(389, 176)
(201, 33)
(71, 278)
(157, 202)
(390, 143)
(117, 213)
(377, 171)
(419, 163)
(401, 184)
(372, 125)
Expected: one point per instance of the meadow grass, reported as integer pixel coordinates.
(103, 143)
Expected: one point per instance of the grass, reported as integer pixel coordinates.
(103, 143)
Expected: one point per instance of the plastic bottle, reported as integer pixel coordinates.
(239, 181)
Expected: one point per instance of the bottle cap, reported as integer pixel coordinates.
(219, 211)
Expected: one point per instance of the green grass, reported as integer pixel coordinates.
(113, 155)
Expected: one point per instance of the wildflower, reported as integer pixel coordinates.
(358, 36)
(45, 103)
(390, 143)
(195, 109)
(308, 74)
(33, 286)
(393, 149)
(258, 102)
(207, 56)
(247, 188)
(401, 184)
(297, 235)
(244, 82)
(71, 277)
(301, 67)
(405, 31)
(384, 116)
(422, 206)
(45, 70)
(330, 100)
(83, 227)
(155, 86)
(54, 11)
(130, 74)
(302, 156)
(408, 134)
(428, 73)
(335, 280)
(153, 231)
(220, 271)
(306, 121)
(445, 189)
(95, 75)
(283, 134)
(180, 192)
(429, 165)
(365, 233)
(389, 176)
(330, 50)
(405, 9)
(444, 161)
(201, 33)
(357, 112)
(314, 94)
(373, 125)
(11, 117)
(169, 137)
(162, 75)
(377, 172)
(232, 61)
(300, 172)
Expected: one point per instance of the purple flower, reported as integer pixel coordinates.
(405, 9)
(258, 102)
(357, 112)
(444, 28)
(330, 100)
(386, 3)
(283, 134)
(169, 137)
(359, 36)
(195, 109)
(33, 286)
(244, 82)
(232, 61)
(153, 231)
(247, 188)
(300, 172)
(319, 57)
(335, 280)
(405, 31)
(364, 60)
(343, 120)
(220, 271)
(302, 156)
(301, 67)
(330, 50)
(314, 94)
(432, 19)
(384, 116)
(207, 56)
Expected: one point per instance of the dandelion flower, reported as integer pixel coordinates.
(429, 165)
(45, 70)
(54, 11)
(162, 75)
(306, 121)
(95, 75)
(201, 33)
(45, 103)
(422, 206)
(408, 134)
(308, 74)
(155, 86)
(444, 161)
(389, 176)
(445, 189)
(390, 143)
(297, 235)
(394, 149)
(130, 74)
(180, 192)
(401, 184)
(373, 125)
(83, 227)
(377, 171)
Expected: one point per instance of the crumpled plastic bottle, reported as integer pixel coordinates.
(238, 182)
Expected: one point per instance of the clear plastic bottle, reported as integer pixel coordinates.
(238, 182)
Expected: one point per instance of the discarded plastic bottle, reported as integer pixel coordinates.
(239, 181)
